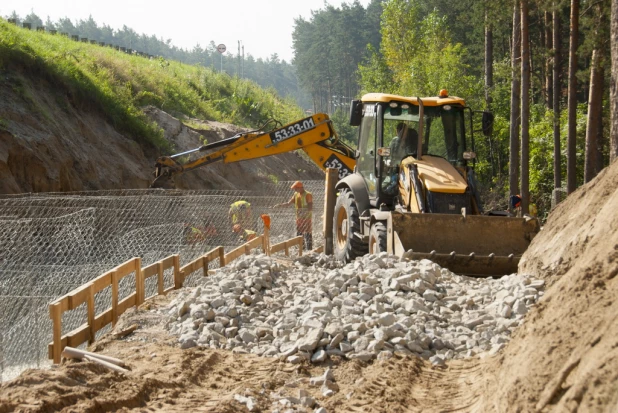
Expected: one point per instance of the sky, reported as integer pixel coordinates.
(263, 27)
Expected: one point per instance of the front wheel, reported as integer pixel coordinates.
(377, 238)
(346, 222)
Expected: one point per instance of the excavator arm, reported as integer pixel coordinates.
(315, 135)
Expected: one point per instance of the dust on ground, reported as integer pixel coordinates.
(563, 358)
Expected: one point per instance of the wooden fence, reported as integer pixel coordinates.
(87, 292)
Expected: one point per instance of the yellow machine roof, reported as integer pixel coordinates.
(427, 101)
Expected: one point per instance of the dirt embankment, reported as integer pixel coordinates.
(47, 143)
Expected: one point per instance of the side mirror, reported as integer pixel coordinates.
(356, 112)
(488, 123)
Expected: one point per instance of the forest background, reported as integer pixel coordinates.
(543, 67)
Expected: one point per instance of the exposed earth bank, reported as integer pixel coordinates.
(50, 144)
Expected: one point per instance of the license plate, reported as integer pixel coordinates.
(292, 130)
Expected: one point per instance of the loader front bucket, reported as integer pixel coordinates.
(475, 245)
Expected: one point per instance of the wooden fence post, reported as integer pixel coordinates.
(140, 290)
(177, 275)
(55, 313)
(160, 280)
(330, 197)
(221, 257)
(114, 298)
(91, 314)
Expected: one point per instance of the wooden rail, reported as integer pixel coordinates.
(87, 292)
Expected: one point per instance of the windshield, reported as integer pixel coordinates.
(444, 132)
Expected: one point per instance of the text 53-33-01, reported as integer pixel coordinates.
(292, 130)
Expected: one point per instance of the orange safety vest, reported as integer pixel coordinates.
(301, 204)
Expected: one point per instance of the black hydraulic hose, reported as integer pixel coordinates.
(417, 188)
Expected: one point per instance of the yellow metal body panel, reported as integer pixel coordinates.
(438, 175)
(320, 155)
(427, 101)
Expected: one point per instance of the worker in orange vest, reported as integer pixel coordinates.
(303, 202)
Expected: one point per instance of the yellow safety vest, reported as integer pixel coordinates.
(235, 209)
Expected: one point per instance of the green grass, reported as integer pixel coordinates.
(119, 85)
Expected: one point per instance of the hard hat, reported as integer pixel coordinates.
(297, 184)
(236, 228)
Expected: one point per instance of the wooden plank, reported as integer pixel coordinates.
(126, 303)
(235, 253)
(78, 296)
(78, 336)
(286, 247)
(193, 266)
(160, 280)
(151, 270)
(213, 254)
(277, 247)
(55, 312)
(102, 281)
(114, 298)
(103, 319)
(126, 268)
(140, 289)
(91, 312)
(167, 262)
(167, 290)
(63, 302)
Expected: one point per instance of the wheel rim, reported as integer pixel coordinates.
(342, 228)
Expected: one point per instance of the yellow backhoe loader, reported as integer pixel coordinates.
(413, 192)
(314, 135)
(409, 189)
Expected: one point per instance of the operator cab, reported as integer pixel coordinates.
(397, 130)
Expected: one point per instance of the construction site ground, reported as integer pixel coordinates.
(563, 358)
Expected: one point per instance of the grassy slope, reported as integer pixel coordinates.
(118, 84)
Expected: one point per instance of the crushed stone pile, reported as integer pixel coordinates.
(371, 308)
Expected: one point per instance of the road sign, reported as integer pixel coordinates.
(221, 48)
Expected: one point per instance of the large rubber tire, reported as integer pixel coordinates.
(346, 222)
(377, 238)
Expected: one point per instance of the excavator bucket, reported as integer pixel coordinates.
(163, 182)
(474, 245)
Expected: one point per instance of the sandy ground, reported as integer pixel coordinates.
(166, 379)
(564, 358)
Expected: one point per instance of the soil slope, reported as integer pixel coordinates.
(48, 143)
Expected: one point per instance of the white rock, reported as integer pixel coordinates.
(247, 401)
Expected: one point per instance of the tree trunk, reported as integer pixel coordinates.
(600, 138)
(488, 86)
(595, 101)
(525, 109)
(613, 92)
(556, 104)
(548, 61)
(572, 99)
(489, 60)
(515, 95)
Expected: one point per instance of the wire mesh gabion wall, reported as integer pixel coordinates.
(55, 242)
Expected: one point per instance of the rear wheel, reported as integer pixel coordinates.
(377, 238)
(346, 223)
